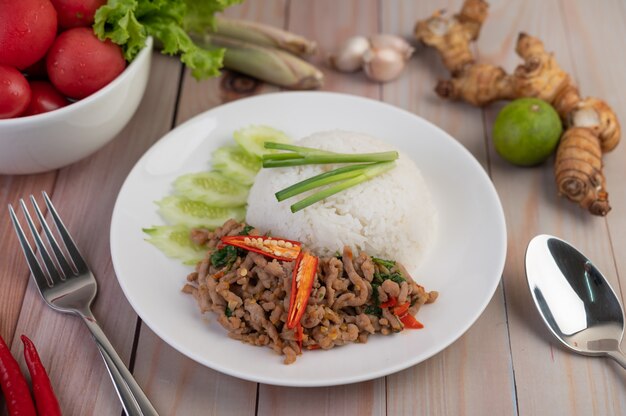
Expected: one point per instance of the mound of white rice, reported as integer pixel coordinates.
(390, 216)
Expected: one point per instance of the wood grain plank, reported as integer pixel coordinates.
(367, 398)
(577, 385)
(453, 381)
(178, 385)
(329, 22)
(84, 196)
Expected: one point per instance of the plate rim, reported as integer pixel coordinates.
(500, 223)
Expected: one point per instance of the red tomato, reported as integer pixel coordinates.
(44, 98)
(27, 29)
(79, 63)
(76, 13)
(14, 92)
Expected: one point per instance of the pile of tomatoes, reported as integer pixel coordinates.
(49, 55)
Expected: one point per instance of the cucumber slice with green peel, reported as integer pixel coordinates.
(175, 241)
(183, 211)
(212, 188)
(253, 138)
(234, 163)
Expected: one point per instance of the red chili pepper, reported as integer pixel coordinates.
(299, 335)
(45, 399)
(401, 310)
(14, 386)
(277, 248)
(390, 303)
(409, 321)
(301, 284)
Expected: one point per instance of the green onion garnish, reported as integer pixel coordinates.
(309, 156)
(322, 179)
(373, 170)
(371, 164)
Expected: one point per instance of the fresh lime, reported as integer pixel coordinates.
(527, 131)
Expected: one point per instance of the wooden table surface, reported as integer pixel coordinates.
(507, 363)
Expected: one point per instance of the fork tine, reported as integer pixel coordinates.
(77, 258)
(65, 266)
(47, 260)
(31, 259)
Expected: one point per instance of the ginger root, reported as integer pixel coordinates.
(591, 125)
(451, 37)
(578, 168)
(478, 84)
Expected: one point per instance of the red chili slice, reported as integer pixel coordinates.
(401, 310)
(299, 335)
(390, 303)
(277, 248)
(409, 321)
(301, 284)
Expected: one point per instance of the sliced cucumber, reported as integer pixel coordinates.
(212, 188)
(233, 162)
(253, 138)
(174, 241)
(180, 210)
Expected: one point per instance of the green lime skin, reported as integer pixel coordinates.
(527, 131)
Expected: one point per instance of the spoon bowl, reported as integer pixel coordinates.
(574, 299)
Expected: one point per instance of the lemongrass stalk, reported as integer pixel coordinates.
(322, 179)
(264, 35)
(368, 173)
(267, 64)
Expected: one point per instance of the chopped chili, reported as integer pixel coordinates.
(301, 284)
(277, 248)
(390, 303)
(409, 321)
(401, 310)
(299, 335)
(45, 399)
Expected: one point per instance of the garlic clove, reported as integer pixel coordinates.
(349, 57)
(385, 41)
(383, 64)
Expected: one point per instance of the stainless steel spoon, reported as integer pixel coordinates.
(574, 299)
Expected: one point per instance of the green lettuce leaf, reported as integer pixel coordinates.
(117, 21)
(128, 23)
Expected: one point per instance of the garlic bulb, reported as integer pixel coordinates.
(349, 57)
(384, 41)
(383, 64)
(382, 56)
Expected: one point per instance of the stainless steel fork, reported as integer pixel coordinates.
(69, 286)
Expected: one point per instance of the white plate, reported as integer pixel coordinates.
(464, 265)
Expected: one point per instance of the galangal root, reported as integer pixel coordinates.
(591, 125)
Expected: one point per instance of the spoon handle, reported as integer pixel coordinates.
(619, 356)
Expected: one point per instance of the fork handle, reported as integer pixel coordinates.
(134, 400)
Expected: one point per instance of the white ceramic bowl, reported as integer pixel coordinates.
(52, 140)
